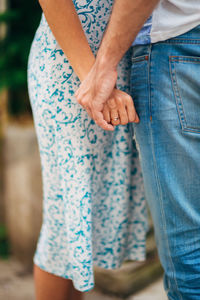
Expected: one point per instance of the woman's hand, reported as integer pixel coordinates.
(119, 109)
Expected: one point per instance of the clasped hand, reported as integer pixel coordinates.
(105, 104)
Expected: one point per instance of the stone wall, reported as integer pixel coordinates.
(22, 189)
(3, 117)
(3, 6)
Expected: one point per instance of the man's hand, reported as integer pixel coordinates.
(95, 90)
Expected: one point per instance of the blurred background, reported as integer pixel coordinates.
(21, 183)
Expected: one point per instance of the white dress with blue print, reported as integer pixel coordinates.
(94, 211)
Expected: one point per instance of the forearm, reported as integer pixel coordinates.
(67, 29)
(126, 21)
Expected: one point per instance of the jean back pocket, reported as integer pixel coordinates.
(185, 76)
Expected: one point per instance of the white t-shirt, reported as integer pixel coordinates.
(170, 18)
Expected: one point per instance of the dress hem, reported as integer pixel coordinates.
(46, 269)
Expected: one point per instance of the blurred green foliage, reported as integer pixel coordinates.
(4, 244)
(22, 19)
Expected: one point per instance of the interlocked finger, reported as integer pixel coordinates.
(123, 115)
(99, 120)
(132, 114)
(106, 113)
(114, 114)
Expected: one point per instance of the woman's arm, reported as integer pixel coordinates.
(67, 29)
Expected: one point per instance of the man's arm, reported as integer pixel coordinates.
(126, 20)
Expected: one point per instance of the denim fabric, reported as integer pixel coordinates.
(165, 86)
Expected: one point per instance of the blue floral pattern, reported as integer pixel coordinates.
(94, 211)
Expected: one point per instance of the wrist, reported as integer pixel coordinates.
(104, 62)
(85, 67)
(110, 51)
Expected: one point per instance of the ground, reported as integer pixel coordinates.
(17, 284)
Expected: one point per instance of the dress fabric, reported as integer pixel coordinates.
(94, 209)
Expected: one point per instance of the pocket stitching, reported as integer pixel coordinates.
(177, 94)
(178, 98)
(185, 59)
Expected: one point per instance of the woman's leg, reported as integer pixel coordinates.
(75, 294)
(51, 287)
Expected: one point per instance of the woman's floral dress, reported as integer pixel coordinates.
(94, 211)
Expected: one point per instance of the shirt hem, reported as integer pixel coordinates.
(160, 36)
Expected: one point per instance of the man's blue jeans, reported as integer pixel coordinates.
(165, 86)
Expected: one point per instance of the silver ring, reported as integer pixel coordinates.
(115, 119)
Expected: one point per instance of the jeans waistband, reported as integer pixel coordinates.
(189, 37)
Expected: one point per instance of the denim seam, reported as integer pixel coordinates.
(162, 208)
(160, 195)
(138, 58)
(181, 41)
(189, 129)
(149, 80)
(177, 95)
(186, 60)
